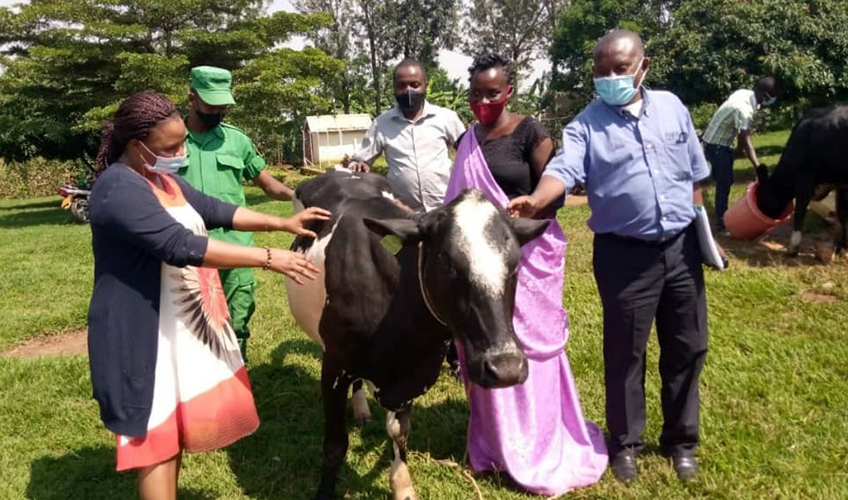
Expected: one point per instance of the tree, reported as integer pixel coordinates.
(584, 22)
(336, 39)
(717, 46)
(514, 28)
(421, 28)
(75, 60)
(370, 19)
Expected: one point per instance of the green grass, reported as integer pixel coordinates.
(774, 392)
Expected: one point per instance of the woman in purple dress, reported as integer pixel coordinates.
(534, 432)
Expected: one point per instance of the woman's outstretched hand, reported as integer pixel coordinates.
(296, 224)
(294, 265)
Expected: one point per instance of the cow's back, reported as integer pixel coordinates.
(357, 274)
(818, 145)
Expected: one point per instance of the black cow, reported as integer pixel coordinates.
(388, 318)
(814, 162)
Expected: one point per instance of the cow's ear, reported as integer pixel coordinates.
(527, 230)
(405, 229)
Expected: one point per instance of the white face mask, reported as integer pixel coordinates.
(170, 165)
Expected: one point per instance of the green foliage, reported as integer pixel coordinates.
(514, 28)
(36, 177)
(717, 46)
(449, 93)
(76, 60)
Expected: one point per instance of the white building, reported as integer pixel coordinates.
(328, 138)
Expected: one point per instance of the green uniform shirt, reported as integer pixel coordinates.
(218, 161)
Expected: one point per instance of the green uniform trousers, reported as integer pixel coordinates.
(239, 287)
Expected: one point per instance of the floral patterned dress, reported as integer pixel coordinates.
(202, 399)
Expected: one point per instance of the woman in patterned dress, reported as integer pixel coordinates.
(165, 366)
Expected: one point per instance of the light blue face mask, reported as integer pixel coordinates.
(164, 165)
(618, 90)
(770, 100)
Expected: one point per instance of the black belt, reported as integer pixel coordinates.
(640, 241)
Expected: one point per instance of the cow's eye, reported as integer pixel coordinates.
(451, 272)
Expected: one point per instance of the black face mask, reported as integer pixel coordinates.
(409, 100)
(211, 120)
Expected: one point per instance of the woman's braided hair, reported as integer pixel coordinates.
(135, 118)
(488, 61)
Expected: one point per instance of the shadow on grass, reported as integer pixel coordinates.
(88, 473)
(282, 460)
(53, 215)
(32, 205)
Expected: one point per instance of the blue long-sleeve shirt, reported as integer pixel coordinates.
(131, 235)
(638, 171)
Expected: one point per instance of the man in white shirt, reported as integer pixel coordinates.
(732, 121)
(416, 137)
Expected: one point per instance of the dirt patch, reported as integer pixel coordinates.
(73, 343)
(576, 200)
(819, 297)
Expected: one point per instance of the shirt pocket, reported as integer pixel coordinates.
(231, 170)
(676, 144)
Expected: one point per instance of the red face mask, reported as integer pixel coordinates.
(488, 113)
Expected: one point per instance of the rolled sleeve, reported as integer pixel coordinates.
(214, 212)
(569, 164)
(253, 163)
(132, 213)
(371, 147)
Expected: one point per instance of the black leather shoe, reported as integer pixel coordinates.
(686, 467)
(623, 466)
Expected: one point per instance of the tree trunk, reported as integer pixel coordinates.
(372, 45)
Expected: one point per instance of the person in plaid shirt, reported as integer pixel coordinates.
(733, 121)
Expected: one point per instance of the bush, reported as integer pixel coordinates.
(36, 177)
(701, 115)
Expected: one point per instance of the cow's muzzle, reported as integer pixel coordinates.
(503, 369)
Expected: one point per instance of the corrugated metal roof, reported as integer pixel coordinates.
(331, 123)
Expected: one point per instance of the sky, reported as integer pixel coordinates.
(455, 63)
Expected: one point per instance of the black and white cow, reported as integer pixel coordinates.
(388, 318)
(814, 162)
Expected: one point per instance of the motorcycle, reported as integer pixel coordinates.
(76, 199)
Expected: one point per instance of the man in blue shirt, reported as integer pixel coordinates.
(638, 155)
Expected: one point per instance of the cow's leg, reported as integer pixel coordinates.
(803, 194)
(841, 242)
(397, 425)
(334, 386)
(361, 412)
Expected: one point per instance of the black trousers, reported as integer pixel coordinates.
(639, 281)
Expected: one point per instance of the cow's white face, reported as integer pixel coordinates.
(471, 251)
(487, 263)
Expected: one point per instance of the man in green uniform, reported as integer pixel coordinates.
(220, 157)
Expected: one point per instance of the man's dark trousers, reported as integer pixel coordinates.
(721, 160)
(639, 281)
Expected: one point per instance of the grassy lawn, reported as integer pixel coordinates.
(774, 391)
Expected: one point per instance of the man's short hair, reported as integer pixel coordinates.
(410, 63)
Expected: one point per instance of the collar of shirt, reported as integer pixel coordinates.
(204, 137)
(625, 112)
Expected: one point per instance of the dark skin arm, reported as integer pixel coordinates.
(747, 146)
(272, 187)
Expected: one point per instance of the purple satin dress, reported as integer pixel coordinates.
(534, 432)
